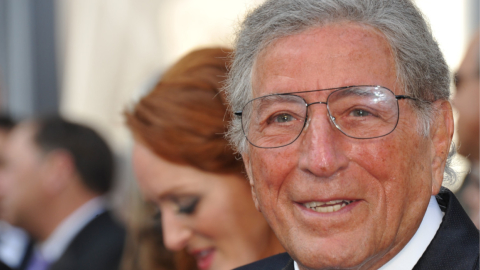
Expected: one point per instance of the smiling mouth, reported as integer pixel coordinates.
(327, 207)
(204, 258)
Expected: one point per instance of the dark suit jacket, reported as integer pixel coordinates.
(98, 246)
(455, 246)
(4, 266)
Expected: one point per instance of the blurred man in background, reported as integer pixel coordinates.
(13, 240)
(55, 174)
(466, 101)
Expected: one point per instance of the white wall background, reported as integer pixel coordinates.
(448, 20)
(111, 49)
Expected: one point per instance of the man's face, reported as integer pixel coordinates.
(20, 177)
(388, 180)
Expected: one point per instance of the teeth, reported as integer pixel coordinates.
(327, 207)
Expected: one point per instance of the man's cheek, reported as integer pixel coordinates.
(270, 171)
(377, 158)
(266, 176)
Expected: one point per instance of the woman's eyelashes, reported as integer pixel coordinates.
(187, 205)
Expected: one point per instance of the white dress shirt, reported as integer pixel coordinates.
(413, 251)
(13, 243)
(56, 244)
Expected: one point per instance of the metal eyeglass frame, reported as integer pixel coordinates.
(332, 119)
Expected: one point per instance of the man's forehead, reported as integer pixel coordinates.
(323, 53)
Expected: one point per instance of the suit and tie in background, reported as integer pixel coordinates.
(54, 179)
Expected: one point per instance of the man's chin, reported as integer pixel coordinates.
(333, 254)
(326, 262)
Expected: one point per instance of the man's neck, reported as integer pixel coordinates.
(55, 213)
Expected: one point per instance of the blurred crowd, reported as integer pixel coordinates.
(192, 204)
(192, 207)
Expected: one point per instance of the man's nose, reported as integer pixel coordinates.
(176, 233)
(322, 153)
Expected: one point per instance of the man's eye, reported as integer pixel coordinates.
(283, 118)
(360, 113)
(188, 206)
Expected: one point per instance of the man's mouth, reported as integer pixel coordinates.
(327, 207)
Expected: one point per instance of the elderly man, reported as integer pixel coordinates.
(345, 126)
(54, 175)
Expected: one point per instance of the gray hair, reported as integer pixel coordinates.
(420, 65)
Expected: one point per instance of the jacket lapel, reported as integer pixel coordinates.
(455, 246)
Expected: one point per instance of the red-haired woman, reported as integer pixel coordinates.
(185, 166)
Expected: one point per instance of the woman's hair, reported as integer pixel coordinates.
(184, 118)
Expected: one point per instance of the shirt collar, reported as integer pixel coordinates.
(56, 244)
(413, 251)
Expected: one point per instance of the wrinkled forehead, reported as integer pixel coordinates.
(331, 56)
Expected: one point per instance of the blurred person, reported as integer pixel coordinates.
(344, 123)
(466, 101)
(6, 125)
(13, 240)
(185, 166)
(55, 174)
(144, 249)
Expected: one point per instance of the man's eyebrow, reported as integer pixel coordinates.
(274, 99)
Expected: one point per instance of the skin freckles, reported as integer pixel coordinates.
(390, 179)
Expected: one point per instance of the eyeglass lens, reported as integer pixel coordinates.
(359, 112)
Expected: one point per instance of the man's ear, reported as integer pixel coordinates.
(441, 133)
(58, 169)
(248, 169)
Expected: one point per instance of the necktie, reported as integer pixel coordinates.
(37, 262)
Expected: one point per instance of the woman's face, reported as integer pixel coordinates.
(211, 215)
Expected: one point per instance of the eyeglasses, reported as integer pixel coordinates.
(360, 112)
